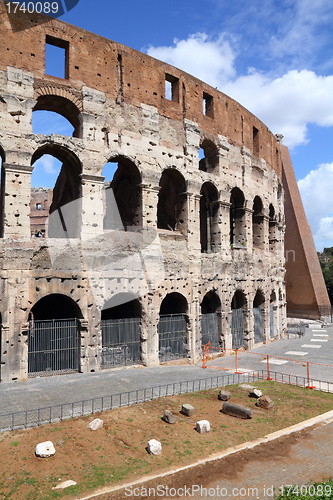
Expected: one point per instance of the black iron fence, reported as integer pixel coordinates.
(49, 414)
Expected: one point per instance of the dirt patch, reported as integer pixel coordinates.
(117, 453)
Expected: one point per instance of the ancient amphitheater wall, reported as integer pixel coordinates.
(182, 247)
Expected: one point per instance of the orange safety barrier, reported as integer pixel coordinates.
(267, 356)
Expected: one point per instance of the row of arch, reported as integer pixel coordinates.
(126, 188)
(54, 320)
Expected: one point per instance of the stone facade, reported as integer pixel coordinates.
(193, 224)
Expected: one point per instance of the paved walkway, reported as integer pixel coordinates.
(55, 390)
(315, 347)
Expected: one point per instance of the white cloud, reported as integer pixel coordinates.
(48, 164)
(316, 191)
(211, 60)
(285, 104)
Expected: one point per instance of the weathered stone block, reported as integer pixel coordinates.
(203, 426)
(154, 447)
(96, 424)
(45, 450)
(255, 393)
(169, 417)
(224, 395)
(264, 402)
(236, 410)
(187, 410)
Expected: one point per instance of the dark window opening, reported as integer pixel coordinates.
(56, 57)
(238, 308)
(237, 218)
(122, 306)
(171, 88)
(39, 206)
(258, 223)
(172, 327)
(208, 109)
(209, 211)
(211, 320)
(272, 229)
(122, 194)
(63, 202)
(255, 141)
(55, 306)
(54, 114)
(171, 207)
(208, 157)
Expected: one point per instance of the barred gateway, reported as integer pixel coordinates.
(184, 244)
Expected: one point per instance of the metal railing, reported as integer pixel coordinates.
(49, 414)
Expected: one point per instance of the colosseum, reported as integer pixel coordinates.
(184, 245)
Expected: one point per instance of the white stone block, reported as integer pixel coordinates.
(203, 426)
(154, 447)
(96, 424)
(45, 450)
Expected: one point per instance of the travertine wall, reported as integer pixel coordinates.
(115, 99)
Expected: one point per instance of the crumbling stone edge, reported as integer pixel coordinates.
(324, 418)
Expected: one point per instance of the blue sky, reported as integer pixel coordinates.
(274, 57)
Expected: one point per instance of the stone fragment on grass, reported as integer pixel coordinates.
(236, 410)
(96, 424)
(45, 450)
(154, 447)
(64, 485)
(169, 417)
(203, 426)
(265, 402)
(224, 395)
(188, 410)
(255, 393)
(247, 387)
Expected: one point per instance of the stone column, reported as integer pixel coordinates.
(16, 195)
(224, 224)
(193, 224)
(149, 205)
(248, 229)
(92, 206)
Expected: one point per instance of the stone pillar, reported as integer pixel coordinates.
(16, 194)
(193, 227)
(149, 205)
(150, 357)
(92, 206)
(224, 224)
(248, 229)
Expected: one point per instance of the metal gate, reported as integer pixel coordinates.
(271, 322)
(121, 342)
(210, 330)
(53, 346)
(257, 314)
(237, 328)
(172, 337)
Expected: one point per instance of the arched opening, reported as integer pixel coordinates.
(258, 310)
(258, 223)
(208, 157)
(59, 209)
(272, 309)
(272, 229)
(171, 207)
(172, 327)
(120, 323)
(211, 320)
(53, 336)
(238, 306)
(122, 194)
(209, 211)
(50, 113)
(237, 218)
